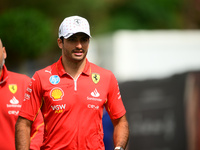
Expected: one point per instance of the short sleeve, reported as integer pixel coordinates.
(32, 99)
(114, 104)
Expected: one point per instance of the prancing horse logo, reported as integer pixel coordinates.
(12, 88)
(77, 22)
(95, 77)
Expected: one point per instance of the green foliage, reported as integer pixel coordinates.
(151, 14)
(26, 33)
(111, 15)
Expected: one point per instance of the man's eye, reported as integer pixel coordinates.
(85, 39)
(71, 39)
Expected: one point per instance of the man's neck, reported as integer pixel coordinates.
(74, 68)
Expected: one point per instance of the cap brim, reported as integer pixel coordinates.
(70, 34)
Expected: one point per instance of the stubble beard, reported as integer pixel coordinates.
(78, 59)
(2, 63)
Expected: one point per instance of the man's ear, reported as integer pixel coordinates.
(60, 43)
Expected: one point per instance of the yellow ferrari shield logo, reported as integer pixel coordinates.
(95, 77)
(13, 88)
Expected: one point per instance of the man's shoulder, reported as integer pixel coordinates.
(47, 69)
(16, 75)
(46, 72)
(17, 78)
(98, 69)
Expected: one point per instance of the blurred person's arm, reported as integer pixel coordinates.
(22, 133)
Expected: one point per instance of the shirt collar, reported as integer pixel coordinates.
(4, 74)
(61, 71)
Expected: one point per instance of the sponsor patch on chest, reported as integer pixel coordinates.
(56, 94)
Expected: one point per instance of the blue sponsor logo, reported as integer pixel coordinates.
(55, 79)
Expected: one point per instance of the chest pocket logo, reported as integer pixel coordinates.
(55, 79)
(12, 88)
(95, 77)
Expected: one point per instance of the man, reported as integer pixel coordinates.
(71, 94)
(12, 90)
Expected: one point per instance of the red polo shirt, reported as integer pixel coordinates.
(73, 109)
(12, 90)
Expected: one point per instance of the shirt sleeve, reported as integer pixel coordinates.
(32, 100)
(114, 104)
(37, 132)
(31, 111)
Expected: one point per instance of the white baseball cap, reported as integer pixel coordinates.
(72, 25)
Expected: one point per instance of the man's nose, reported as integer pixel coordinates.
(78, 44)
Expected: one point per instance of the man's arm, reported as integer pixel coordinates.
(22, 134)
(121, 132)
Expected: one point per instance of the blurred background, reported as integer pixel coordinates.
(152, 47)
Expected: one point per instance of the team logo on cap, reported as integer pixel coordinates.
(56, 94)
(95, 77)
(12, 88)
(77, 22)
(55, 79)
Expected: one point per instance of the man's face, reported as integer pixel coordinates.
(75, 47)
(2, 55)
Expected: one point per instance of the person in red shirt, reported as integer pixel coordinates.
(72, 94)
(12, 89)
